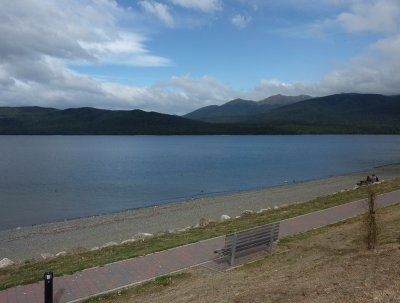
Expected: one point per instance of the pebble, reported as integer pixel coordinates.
(224, 218)
(181, 230)
(108, 244)
(46, 256)
(143, 235)
(6, 262)
(128, 241)
(61, 254)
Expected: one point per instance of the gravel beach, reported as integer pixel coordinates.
(30, 242)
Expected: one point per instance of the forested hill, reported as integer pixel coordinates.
(39, 120)
(91, 121)
(340, 109)
(339, 113)
(335, 114)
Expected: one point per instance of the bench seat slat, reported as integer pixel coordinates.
(256, 230)
(265, 228)
(261, 239)
(250, 236)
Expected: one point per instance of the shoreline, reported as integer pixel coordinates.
(97, 231)
(193, 198)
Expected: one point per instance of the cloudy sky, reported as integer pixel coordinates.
(174, 56)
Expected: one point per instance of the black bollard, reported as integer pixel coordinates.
(48, 287)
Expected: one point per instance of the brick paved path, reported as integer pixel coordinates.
(98, 280)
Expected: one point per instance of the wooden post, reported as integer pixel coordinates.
(233, 252)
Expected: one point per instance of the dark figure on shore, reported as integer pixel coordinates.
(369, 180)
(374, 179)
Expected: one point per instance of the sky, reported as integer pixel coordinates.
(175, 56)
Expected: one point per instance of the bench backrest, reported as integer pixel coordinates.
(249, 238)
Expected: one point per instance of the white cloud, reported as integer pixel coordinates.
(70, 30)
(205, 89)
(240, 21)
(160, 10)
(372, 16)
(368, 16)
(40, 39)
(207, 6)
(128, 49)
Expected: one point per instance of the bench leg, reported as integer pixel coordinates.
(271, 241)
(269, 247)
(233, 253)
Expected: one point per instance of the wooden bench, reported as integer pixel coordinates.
(249, 238)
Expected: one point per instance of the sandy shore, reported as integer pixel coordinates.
(30, 242)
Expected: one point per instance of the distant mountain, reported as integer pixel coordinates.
(336, 109)
(335, 114)
(348, 113)
(232, 111)
(50, 121)
(281, 100)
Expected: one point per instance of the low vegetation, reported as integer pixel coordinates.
(33, 271)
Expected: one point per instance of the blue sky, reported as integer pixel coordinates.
(174, 56)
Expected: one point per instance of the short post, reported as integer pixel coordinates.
(233, 249)
(48, 287)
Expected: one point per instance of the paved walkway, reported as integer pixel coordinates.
(99, 280)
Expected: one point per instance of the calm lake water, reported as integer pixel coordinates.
(51, 178)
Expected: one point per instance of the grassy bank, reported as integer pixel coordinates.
(33, 271)
(335, 259)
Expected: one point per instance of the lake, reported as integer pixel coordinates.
(51, 178)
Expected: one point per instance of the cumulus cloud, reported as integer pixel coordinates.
(40, 39)
(240, 21)
(128, 49)
(373, 16)
(70, 30)
(373, 71)
(207, 6)
(160, 10)
(176, 95)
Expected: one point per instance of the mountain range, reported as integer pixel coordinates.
(234, 110)
(334, 114)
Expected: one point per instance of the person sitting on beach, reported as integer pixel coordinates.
(369, 179)
(374, 178)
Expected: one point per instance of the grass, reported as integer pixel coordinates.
(152, 286)
(30, 272)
